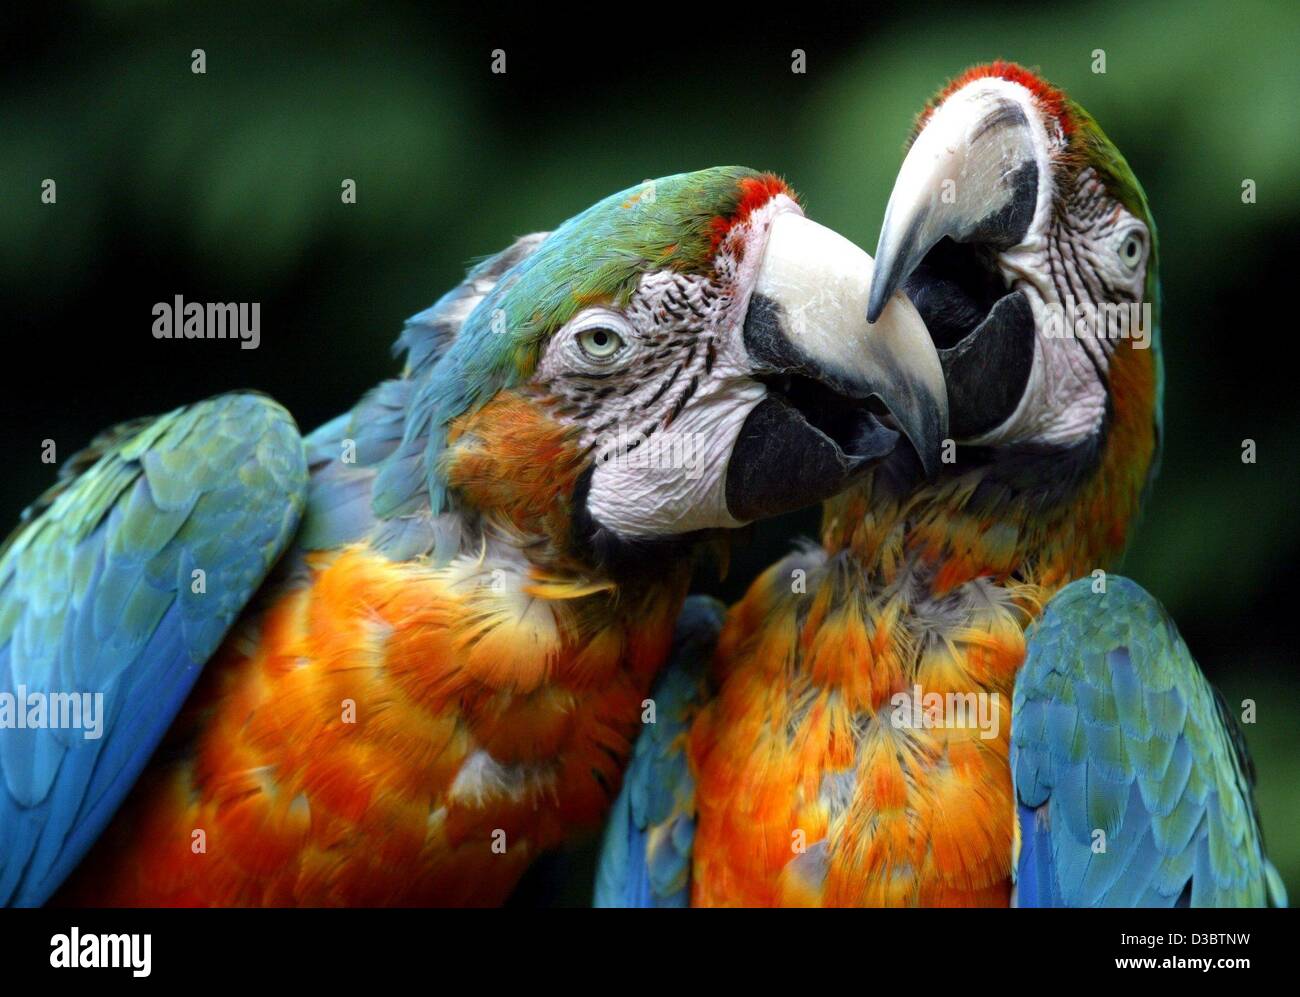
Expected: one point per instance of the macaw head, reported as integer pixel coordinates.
(689, 354)
(1025, 242)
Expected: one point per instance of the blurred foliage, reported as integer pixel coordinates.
(225, 186)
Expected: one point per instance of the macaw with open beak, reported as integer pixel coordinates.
(949, 701)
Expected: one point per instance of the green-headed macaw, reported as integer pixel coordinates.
(948, 701)
(476, 570)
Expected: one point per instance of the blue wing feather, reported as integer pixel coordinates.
(1132, 781)
(121, 582)
(645, 858)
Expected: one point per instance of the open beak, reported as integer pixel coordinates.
(840, 391)
(971, 175)
(968, 190)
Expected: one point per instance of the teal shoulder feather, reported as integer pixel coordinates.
(430, 382)
(368, 480)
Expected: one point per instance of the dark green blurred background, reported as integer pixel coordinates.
(225, 187)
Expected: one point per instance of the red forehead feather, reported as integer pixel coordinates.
(754, 193)
(1049, 98)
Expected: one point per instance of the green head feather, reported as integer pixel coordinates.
(596, 257)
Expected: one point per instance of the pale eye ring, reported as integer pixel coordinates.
(600, 343)
(1130, 250)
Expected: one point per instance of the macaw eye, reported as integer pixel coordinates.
(1131, 250)
(600, 343)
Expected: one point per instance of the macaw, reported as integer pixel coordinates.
(392, 662)
(949, 701)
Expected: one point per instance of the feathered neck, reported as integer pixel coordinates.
(1044, 516)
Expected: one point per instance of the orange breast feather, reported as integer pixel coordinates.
(812, 791)
(386, 734)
